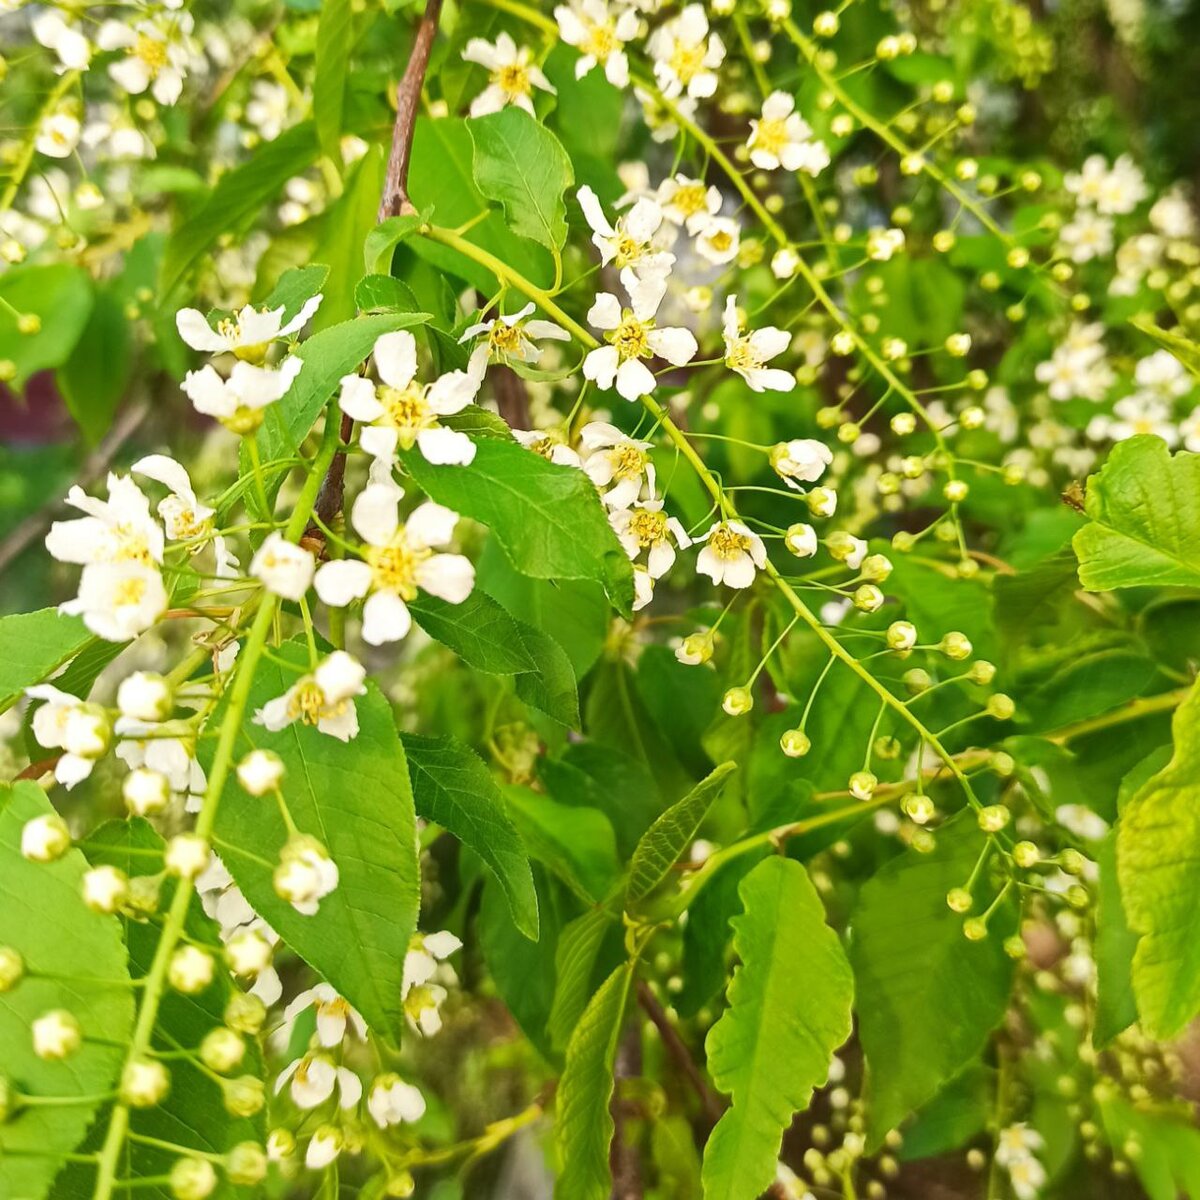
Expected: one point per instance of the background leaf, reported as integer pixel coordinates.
(33, 646)
(334, 42)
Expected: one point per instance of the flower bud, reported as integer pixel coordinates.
(918, 808)
(993, 818)
(975, 929)
(246, 1164)
(305, 874)
(145, 696)
(144, 1083)
(222, 1050)
(1001, 707)
(981, 672)
(958, 345)
(826, 24)
(972, 417)
(193, 1179)
(260, 772)
(955, 645)
(955, 491)
(903, 424)
(1014, 946)
(56, 1034)
(695, 649)
(105, 889)
(821, 501)
(1026, 855)
(738, 701)
(876, 567)
(1072, 862)
(248, 952)
(244, 1096)
(325, 1145)
(12, 968)
(795, 743)
(959, 900)
(862, 785)
(887, 748)
(187, 854)
(146, 792)
(245, 1013)
(1077, 896)
(45, 838)
(901, 636)
(868, 598)
(190, 970)
(281, 1145)
(917, 680)
(801, 540)
(842, 343)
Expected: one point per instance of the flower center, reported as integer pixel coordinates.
(512, 80)
(628, 462)
(308, 704)
(600, 41)
(132, 546)
(630, 337)
(648, 526)
(406, 411)
(727, 543)
(395, 566)
(721, 241)
(629, 249)
(739, 356)
(506, 338)
(771, 135)
(129, 591)
(691, 198)
(686, 61)
(151, 51)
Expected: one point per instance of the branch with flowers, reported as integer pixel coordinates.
(767, 769)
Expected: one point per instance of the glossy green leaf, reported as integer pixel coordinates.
(43, 917)
(574, 966)
(927, 998)
(547, 518)
(583, 1123)
(95, 375)
(334, 41)
(671, 834)
(1144, 507)
(33, 646)
(356, 798)
(522, 166)
(61, 297)
(381, 242)
(453, 788)
(1116, 1008)
(789, 1010)
(1158, 865)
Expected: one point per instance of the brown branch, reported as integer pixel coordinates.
(678, 1051)
(392, 203)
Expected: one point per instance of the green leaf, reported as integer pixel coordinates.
(296, 286)
(453, 788)
(94, 377)
(789, 1010)
(239, 195)
(1185, 350)
(61, 296)
(662, 844)
(33, 646)
(356, 799)
(927, 997)
(380, 244)
(1168, 1165)
(382, 292)
(43, 917)
(1158, 865)
(1144, 507)
(547, 518)
(334, 41)
(583, 1123)
(522, 166)
(574, 965)
(1116, 1008)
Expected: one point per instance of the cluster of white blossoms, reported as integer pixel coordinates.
(1017, 1147)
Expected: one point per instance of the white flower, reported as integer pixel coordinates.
(155, 55)
(785, 263)
(510, 338)
(45, 838)
(685, 55)
(1123, 188)
(1163, 374)
(333, 1014)
(183, 516)
(747, 354)
(632, 336)
(117, 601)
(630, 243)
(260, 772)
(1085, 237)
(238, 402)
(512, 75)
(643, 587)
(688, 202)
(731, 555)
(190, 970)
(425, 951)
(645, 526)
(284, 568)
(618, 465)
(73, 49)
(58, 136)
(325, 1146)
(883, 243)
(117, 530)
(1087, 183)
(80, 730)
(268, 108)
(305, 875)
(599, 35)
(1189, 430)
(782, 138)
(324, 699)
(552, 448)
(391, 1101)
(719, 241)
(801, 540)
(1028, 1177)
(802, 460)
(145, 696)
(172, 757)
(313, 1079)
(397, 561)
(1133, 415)
(402, 412)
(56, 1035)
(422, 1007)
(1172, 216)
(1077, 367)
(248, 334)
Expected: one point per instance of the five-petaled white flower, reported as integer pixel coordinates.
(156, 55)
(732, 554)
(686, 55)
(599, 35)
(632, 336)
(512, 75)
(630, 243)
(334, 1014)
(691, 203)
(391, 1101)
(72, 47)
(400, 411)
(247, 334)
(719, 241)
(748, 353)
(617, 464)
(118, 600)
(58, 135)
(510, 337)
(119, 529)
(324, 699)
(782, 138)
(397, 561)
(239, 401)
(313, 1078)
(645, 526)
